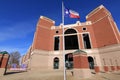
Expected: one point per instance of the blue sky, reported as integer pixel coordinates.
(18, 18)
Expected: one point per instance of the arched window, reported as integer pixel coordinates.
(56, 63)
(70, 31)
(91, 62)
(71, 41)
(69, 61)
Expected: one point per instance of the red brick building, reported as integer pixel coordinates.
(99, 37)
(4, 57)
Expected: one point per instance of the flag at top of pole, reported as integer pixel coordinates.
(71, 13)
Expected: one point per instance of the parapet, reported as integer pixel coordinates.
(45, 22)
(47, 19)
(99, 10)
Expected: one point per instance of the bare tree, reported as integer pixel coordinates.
(14, 58)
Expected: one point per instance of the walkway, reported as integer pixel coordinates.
(55, 75)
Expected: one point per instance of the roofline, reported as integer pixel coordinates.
(47, 19)
(94, 11)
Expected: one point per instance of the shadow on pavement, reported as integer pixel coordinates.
(14, 72)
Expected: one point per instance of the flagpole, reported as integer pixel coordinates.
(63, 41)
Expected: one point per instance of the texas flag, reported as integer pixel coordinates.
(71, 13)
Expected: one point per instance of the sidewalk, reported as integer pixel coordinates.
(105, 76)
(56, 75)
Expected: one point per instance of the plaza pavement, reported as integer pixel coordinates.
(55, 75)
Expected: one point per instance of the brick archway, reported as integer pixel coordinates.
(91, 62)
(56, 63)
(69, 61)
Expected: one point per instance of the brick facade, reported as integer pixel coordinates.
(98, 36)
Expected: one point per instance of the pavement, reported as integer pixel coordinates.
(105, 76)
(55, 75)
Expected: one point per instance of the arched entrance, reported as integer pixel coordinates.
(69, 61)
(91, 62)
(71, 39)
(56, 63)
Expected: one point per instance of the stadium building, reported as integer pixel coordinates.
(99, 37)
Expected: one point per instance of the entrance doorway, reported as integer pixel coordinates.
(91, 62)
(69, 61)
(56, 63)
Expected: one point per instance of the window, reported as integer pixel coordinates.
(84, 29)
(69, 60)
(56, 63)
(57, 31)
(56, 43)
(91, 62)
(70, 31)
(86, 41)
(71, 41)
